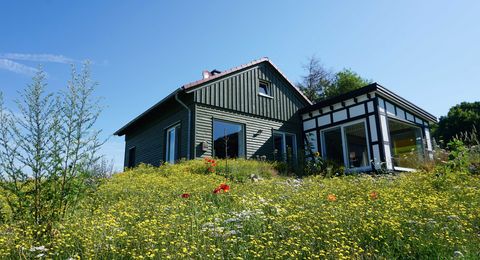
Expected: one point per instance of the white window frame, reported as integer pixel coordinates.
(268, 89)
(409, 123)
(284, 143)
(168, 157)
(344, 145)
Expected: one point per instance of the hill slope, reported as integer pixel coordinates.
(141, 213)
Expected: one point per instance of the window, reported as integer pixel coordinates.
(131, 157)
(264, 89)
(333, 146)
(172, 147)
(347, 145)
(284, 145)
(356, 141)
(228, 139)
(311, 142)
(406, 143)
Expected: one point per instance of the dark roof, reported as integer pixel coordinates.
(369, 88)
(196, 84)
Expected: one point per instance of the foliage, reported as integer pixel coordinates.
(458, 158)
(462, 118)
(321, 83)
(239, 170)
(170, 212)
(345, 81)
(48, 150)
(315, 165)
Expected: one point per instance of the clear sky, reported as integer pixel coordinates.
(426, 51)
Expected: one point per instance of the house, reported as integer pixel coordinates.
(254, 111)
(245, 112)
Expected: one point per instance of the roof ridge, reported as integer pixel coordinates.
(227, 71)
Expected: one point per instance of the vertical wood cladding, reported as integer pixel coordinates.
(239, 92)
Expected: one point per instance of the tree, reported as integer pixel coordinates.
(321, 83)
(462, 118)
(345, 81)
(318, 79)
(49, 148)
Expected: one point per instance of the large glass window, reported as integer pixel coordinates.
(333, 146)
(356, 141)
(346, 145)
(228, 139)
(407, 144)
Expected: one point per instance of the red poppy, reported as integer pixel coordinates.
(373, 195)
(223, 187)
(185, 195)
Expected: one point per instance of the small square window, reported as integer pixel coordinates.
(264, 89)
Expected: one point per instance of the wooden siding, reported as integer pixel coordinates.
(256, 144)
(239, 92)
(149, 137)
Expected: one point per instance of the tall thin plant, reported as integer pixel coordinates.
(49, 148)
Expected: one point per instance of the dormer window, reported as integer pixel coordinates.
(264, 89)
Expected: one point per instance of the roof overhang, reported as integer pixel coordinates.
(122, 130)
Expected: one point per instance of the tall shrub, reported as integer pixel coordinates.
(48, 148)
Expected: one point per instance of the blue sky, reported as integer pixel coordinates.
(426, 51)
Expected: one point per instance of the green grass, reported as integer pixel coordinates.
(141, 214)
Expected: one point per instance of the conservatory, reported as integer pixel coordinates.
(367, 129)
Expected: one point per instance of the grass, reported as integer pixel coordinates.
(141, 214)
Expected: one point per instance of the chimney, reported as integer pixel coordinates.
(206, 74)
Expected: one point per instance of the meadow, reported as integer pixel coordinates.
(184, 211)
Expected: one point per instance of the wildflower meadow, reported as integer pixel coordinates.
(188, 211)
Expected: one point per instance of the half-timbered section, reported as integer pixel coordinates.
(367, 128)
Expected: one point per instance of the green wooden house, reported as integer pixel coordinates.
(254, 111)
(250, 111)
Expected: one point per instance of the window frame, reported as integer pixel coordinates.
(244, 136)
(344, 145)
(268, 89)
(167, 142)
(284, 144)
(411, 124)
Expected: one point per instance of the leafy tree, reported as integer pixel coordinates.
(462, 118)
(345, 81)
(321, 83)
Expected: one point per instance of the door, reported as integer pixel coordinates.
(284, 145)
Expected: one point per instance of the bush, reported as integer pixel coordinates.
(238, 170)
